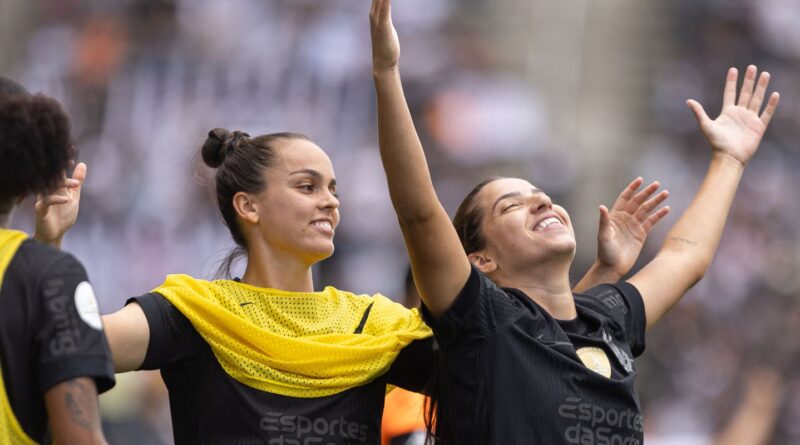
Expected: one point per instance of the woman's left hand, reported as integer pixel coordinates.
(625, 227)
(738, 129)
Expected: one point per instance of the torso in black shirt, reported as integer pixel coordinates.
(50, 331)
(515, 377)
(209, 406)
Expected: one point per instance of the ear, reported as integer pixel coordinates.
(246, 207)
(483, 262)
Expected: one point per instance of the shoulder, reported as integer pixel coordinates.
(39, 258)
(619, 297)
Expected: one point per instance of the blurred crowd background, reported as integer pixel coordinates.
(581, 97)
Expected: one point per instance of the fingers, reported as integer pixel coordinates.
(729, 95)
(655, 218)
(758, 95)
(766, 116)
(645, 193)
(380, 10)
(651, 204)
(44, 202)
(605, 218)
(747, 86)
(627, 194)
(79, 174)
(699, 112)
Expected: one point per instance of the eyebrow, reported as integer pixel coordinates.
(313, 173)
(511, 195)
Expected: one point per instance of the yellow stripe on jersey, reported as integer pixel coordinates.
(293, 343)
(10, 429)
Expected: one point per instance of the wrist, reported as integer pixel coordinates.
(728, 160)
(54, 242)
(606, 271)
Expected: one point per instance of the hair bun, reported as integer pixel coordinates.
(213, 150)
(220, 143)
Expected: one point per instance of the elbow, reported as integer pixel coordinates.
(691, 266)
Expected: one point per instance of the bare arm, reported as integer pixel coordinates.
(128, 337)
(692, 242)
(73, 412)
(438, 261)
(623, 231)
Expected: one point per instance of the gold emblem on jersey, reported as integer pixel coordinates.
(595, 359)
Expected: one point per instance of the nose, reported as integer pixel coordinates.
(330, 201)
(540, 202)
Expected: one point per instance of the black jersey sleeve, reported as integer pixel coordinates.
(70, 341)
(479, 310)
(623, 303)
(172, 336)
(412, 367)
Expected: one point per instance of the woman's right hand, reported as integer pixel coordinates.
(385, 44)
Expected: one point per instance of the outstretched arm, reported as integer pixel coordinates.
(438, 261)
(622, 233)
(690, 246)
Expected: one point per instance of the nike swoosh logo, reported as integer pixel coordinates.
(245, 303)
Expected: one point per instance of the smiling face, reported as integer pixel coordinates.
(298, 212)
(521, 225)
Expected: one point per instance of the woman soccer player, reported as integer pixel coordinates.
(524, 359)
(53, 354)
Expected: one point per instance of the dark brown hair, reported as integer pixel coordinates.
(240, 162)
(35, 147)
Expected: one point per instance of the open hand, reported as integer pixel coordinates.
(738, 129)
(625, 227)
(57, 212)
(385, 44)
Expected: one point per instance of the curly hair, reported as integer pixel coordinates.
(11, 88)
(35, 147)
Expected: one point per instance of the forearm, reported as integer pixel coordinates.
(597, 274)
(410, 185)
(73, 411)
(696, 235)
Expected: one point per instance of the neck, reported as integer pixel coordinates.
(546, 284)
(271, 269)
(5, 220)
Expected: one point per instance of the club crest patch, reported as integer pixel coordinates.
(86, 304)
(595, 359)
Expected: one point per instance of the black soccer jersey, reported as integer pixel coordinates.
(50, 331)
(515, 374)
(209, 406)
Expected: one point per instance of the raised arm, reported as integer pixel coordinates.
(438, 261)
(623, 231)
(690, 246)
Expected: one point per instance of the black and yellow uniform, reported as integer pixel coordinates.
(515, 375)
(50, 331)
(264, 366)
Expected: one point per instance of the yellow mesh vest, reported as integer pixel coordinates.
(293, 343)
(10, 429)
